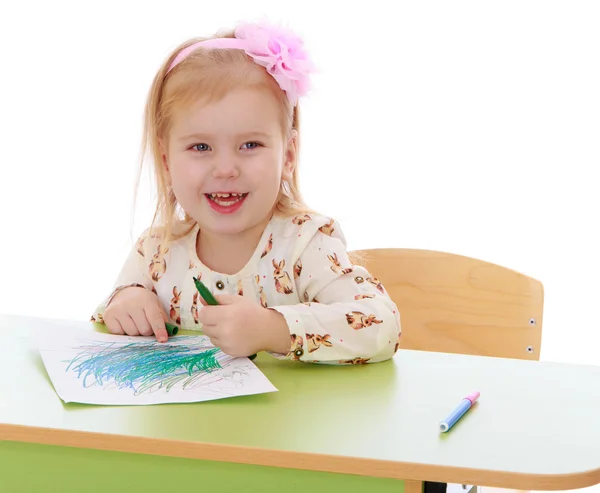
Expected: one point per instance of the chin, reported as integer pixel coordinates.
(226, 225)
(236, 223)
(229, 230)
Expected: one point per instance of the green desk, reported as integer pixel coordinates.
(370, 428)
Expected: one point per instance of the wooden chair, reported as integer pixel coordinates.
(456, 304)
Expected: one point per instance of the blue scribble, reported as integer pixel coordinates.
(144, 366)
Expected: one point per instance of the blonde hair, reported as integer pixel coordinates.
(207, 75)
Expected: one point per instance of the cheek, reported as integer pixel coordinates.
(185, 174)
(273, 169)
(269, 182)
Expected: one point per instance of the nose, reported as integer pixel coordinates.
(226, 166)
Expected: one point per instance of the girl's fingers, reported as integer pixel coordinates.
(210, 315)
(141, 322)
(156, 319)
(129, 326)
(214, 341)
(212, 333)
(210, 330)
(113, 326)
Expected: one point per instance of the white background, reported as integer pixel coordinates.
(465, 126)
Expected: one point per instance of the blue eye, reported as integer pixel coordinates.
(200, 147)
(251, 145)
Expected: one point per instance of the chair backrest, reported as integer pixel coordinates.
(456, 304)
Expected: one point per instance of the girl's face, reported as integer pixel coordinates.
(226, 160)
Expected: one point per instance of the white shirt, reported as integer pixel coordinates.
(337, 312)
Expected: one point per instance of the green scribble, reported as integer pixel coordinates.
(144, 366)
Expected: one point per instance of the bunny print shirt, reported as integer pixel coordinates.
(337, 312)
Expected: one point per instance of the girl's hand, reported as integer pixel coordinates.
(241, 327)
(136, 311)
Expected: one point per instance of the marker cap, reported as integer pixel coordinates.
(171, 329)
(473, 396)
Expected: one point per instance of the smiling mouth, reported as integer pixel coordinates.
(226, 199)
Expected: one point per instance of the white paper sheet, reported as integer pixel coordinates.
(96, 368)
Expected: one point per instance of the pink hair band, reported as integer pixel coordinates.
(279, 50)
(232, 43)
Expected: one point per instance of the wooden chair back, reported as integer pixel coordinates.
(456, 304)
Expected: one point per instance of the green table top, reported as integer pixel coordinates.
(536, 423)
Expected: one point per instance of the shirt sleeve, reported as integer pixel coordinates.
(134, 272)
(347, 317)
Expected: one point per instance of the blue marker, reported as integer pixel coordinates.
(462, 408)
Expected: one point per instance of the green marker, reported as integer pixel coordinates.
(171, 329)
(204, 292)
(209, 298)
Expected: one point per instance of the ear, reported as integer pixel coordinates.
(291, 154)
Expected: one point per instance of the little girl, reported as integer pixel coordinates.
(222, 125)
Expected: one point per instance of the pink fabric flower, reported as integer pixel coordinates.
(282, 53)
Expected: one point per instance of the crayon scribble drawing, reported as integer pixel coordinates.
(95, 368)
(143, 366)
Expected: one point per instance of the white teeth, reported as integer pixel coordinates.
(221, 198)
(225, 195)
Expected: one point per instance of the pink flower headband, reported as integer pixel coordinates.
(280, 51)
